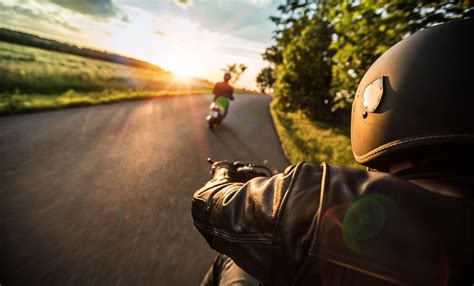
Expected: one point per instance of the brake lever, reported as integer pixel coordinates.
(246, 169)
(242, 164)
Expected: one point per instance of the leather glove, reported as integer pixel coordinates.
(234, 172)
(224, 170)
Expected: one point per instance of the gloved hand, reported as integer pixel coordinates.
(224, 170)
(234, 172)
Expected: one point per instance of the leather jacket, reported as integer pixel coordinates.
(329, 225)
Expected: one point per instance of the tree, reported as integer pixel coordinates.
(322, 48)
(236, 70)
(304, 76)
(265, 79)
(363, 30)
(301, 59)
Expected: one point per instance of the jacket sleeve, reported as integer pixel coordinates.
(214, 92)
(231, 93)
(214, 89)
(264, 225)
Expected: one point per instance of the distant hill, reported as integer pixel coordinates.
(21, 38)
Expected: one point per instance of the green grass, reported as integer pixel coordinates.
(21, 103)
(305, 140)
(35, 79)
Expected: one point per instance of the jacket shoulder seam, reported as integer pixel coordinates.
(324, 179)
(280, 210)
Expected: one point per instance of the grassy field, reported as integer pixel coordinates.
(310, 141)
(36, 79)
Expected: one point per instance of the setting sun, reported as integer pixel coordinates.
(181, 71)
(181, 62)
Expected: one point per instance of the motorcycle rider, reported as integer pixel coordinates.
(224, 88)
(407, 220)
(223, 92)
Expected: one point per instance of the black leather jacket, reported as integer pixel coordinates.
(326, 225)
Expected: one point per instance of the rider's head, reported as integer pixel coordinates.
(416, 102)
(227, 76)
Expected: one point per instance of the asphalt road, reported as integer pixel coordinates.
(102, 195)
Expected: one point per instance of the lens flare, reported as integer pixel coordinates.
(366, 219)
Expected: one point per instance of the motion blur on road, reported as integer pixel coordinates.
(101, 195)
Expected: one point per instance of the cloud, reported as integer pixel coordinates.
(260, 2)
(98, 8)
(184, 4)
(31, 16)
(167, 39)
(247, 19)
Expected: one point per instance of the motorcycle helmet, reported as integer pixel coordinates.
(227, 76)
(417, 100)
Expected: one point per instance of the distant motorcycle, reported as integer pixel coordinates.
(217, 111)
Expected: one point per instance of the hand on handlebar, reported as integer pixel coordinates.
(239, 171)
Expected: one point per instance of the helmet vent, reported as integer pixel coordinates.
(372, 95)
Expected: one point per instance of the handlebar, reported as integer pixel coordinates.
(247, 167)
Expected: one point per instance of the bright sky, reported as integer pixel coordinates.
(190, 37)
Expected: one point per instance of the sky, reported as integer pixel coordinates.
(188, 37)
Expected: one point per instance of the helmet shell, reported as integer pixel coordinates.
(418, 96)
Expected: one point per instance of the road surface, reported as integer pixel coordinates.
(101, 195)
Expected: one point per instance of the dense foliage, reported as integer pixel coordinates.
(323, 48)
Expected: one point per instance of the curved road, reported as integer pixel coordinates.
(101, 195)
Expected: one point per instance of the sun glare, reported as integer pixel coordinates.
(181, 71)
(182, 62)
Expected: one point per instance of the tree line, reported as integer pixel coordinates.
(20, 38)
(321, 49)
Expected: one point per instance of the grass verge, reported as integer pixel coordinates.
(22, 103)
(33, 79)
(305, 140)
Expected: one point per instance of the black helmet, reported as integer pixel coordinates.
(227, 76)
(417, 99)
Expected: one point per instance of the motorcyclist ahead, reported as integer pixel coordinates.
(222, 92)
(408, 220)
(223, 88)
